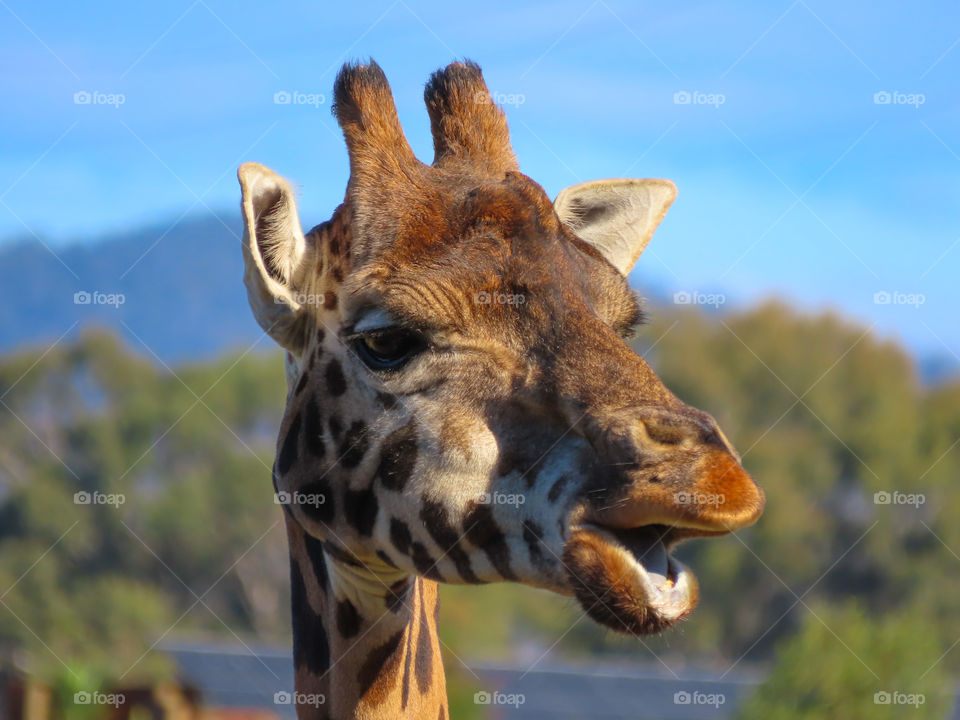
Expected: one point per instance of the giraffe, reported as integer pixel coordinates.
(462, 406)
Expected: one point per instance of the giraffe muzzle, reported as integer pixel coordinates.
(669, 466)
(673, 479)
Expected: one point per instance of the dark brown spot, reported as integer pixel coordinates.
(376, 666)
(348, 619)
(482, 530)
(318, 562)
(329, 301)
(311, 649)
(557, 488)
(313, 428)
(354, 445)
(336, 382)
(435, 518)
(288, 448)
(387, 402)
(400, 536)
(398, 458)
(510, 461)
(301, 384)
(407, 662)
(515, 460)
(425, 564)
(424, 664)
(316, 501)
(336, 427)
(360, 508)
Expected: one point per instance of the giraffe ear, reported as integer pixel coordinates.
(275, 254)
(617, 217)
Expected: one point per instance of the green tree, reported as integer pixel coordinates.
(845, 664)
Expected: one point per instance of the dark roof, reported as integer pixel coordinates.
(232, 677)
(637, 693)
(249, 678)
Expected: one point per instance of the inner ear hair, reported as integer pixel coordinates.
(274, 232)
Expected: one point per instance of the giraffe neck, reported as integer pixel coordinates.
(365, 641)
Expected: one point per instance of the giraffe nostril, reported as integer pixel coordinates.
(664, 433)
(713, 438)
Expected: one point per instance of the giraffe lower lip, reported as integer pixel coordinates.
(663, 580)
(627, 580)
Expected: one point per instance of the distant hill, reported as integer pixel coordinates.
(181, 287)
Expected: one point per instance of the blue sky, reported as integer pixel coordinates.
(794, 181)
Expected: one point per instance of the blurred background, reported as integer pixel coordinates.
(803, 289)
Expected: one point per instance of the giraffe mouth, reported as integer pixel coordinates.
(627, 580)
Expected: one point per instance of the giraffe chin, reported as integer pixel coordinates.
(626, 580)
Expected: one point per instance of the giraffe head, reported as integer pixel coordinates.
(462, 404)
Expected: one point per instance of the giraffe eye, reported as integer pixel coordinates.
(388, 349)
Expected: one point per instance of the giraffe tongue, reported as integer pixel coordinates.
(650, 552)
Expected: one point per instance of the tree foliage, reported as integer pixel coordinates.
(885, 669)
(859, 462)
